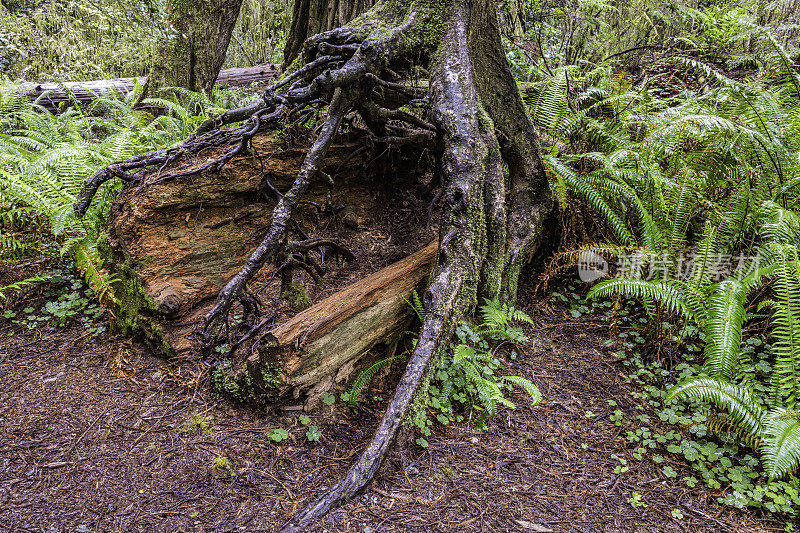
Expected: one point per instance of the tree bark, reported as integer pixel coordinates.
(193, 56)
(530, 199)
(471, 117)
(310, 17)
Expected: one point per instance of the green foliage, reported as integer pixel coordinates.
(715, 445)
(542, 36)
(278, 435)
(690, 179)
(198, 422)
(362, 380)
(736, 400)
(221, 467)
(658, 172)
(80, 40)
(469, 378)
(782, 442)
(84, 40)
(297, 296)
(7, 290)
(416, 305)
(45, 158)
(313, 434)
(328, 398)
(67, 301)
(785, 307)
(260, 33)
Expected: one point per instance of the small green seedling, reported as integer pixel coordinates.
(313, 434)
(278, 435)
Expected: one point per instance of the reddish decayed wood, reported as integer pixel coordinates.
(388, 283)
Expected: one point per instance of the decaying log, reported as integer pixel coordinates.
(174, 243)
(86, 91)
(320, 346)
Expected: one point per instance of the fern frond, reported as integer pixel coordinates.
(723, 328)
(7, 290)
(667, 293)
(781, 446)
(737, 401)
(416, 305)
(786, 324)
(528, 386)
(724, 424)
(489, 393)
(364, 377)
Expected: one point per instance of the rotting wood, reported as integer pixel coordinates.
(86, 91)
(173, 245)
(320, 346)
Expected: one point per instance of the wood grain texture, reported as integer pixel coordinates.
(320, 346)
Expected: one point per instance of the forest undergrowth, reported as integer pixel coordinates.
(677, 172)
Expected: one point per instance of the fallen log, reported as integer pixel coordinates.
(174, 243)
(319, 347)
(54, 93)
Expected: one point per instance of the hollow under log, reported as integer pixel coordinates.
(174, 244)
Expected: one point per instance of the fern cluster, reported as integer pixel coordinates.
(700, 176)
(467, 378)
(470, 376)
(45, 158)
(720, 310)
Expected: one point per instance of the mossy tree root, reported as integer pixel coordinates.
(471, 170)
(477, 121)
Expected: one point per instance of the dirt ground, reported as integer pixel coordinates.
(94, 437)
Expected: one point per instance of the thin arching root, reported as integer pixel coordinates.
(349, 85)
(281, 215)
(471, 155)
(303, 247)
(266, 112)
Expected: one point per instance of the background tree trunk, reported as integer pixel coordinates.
(311, 17)
(194, 55)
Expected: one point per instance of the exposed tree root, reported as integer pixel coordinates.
(490, 225)
(470, 159)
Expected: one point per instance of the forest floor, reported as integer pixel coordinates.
(96, 435)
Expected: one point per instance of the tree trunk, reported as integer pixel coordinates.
(310, 17)
(193, 56)
(470, 119)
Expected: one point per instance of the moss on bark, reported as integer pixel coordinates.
(194, 53)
